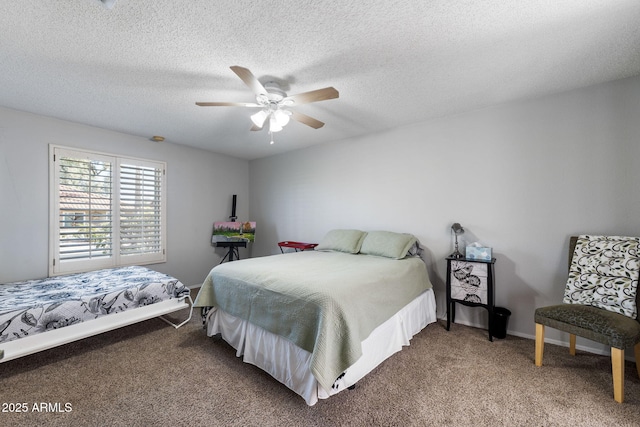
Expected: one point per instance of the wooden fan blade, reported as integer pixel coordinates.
(304, 119)
(313, 96)
(255, 128)
(228, 104)
(249, 79)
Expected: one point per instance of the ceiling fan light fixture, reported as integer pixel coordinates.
(282, 117)
(259, 118)
(274, 126)
(272, 101)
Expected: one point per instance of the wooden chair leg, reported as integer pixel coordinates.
(636, 351)
(572, 344)
(539, 343)
(617, 367)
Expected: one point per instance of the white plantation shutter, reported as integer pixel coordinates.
(106, 211)
(84, 193)
(141, 213)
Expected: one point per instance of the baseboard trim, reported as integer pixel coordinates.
(629, 356)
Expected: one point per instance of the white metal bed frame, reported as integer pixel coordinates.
(46, 340)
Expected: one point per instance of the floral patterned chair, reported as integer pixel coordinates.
(600, 301)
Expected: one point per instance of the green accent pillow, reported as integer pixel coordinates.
(348, 241)
(387, 244)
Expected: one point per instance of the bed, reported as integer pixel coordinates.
(318, 321)
(39, 314)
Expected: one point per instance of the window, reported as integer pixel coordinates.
(106, 211)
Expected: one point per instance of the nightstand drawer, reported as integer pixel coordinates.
(469, 281)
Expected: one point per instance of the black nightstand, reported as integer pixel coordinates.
(470, 283)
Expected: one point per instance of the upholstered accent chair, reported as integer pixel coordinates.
(619, 331)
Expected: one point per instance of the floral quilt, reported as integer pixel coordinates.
(34, 306)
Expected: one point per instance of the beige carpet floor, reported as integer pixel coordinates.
(150, 374)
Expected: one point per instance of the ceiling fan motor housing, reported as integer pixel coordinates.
(273, 88)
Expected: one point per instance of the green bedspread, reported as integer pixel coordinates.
(325, 302)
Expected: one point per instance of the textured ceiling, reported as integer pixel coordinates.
(140, 66)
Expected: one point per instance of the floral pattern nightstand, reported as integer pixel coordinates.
(470, 283)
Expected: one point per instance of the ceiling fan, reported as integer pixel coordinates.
(274, 104)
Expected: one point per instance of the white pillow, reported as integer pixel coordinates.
(604, 273)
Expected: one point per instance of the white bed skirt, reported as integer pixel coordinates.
(290, 364)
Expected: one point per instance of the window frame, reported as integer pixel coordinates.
(116, 259)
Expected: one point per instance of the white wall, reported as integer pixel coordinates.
(199, 189)
(521, 178)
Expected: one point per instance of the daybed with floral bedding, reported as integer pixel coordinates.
(39, 314)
